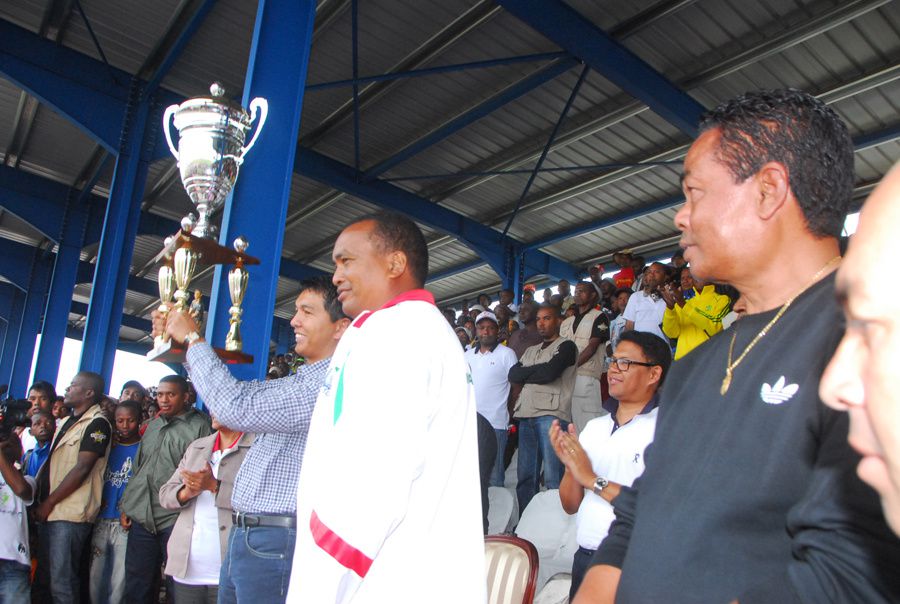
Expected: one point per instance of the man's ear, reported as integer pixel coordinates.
(774, 189)
(655, 374)
(340, 326)
(397, 263)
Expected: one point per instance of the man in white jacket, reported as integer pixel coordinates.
(389, 497)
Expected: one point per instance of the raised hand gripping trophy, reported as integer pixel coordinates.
(210, 151)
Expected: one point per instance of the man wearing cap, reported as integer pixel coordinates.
(490, 362)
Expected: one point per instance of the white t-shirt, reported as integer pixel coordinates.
(28, 440)
(646, 313)
(617, 456)
(205, 557)
(14, 523)
(490, 373)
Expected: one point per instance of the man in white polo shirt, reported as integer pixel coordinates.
(490, 363)
(646, 308)
(609, 453)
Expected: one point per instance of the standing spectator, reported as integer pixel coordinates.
(200, 491)
(43, 427)
(16, 493)
(42, 396)
(696, 320)
(547, 374)
(507, 297)
(565, 293)
(148, 523)
(132, 390)
(678, 260)
(490, 363)
(372, 508)
(522, 339)
(589, 329)
(750, 492)
(617, 325)
(261, 542)
(639, 269)
(645, 308)
(502, 314)
(609, 453)
(109, 542)
(70, 485)
(60, 411)
(625, 276)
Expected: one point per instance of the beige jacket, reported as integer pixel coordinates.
(596, 365)
(195, 457)
(84, 504)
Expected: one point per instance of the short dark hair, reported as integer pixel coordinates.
(178, 381)
(800, 132)
(396, 232)
(132, 406)
(96, 383)
(551, 307)
(133, 384)
(623, 290)
(654, 348)
(324, 287)
(46, 389)
(678, 254)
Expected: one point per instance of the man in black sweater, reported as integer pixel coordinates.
(750, 492)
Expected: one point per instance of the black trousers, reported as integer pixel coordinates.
(580, 565)
(144, 557)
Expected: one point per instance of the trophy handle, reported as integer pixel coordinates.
(167, 118)
(261, 106)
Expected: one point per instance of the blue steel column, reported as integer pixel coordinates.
(35, 298)
(120, 225)
(13, 326)
(276, 71)
(59, 300)
(7, 295)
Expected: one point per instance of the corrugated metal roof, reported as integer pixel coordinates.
(846, 51)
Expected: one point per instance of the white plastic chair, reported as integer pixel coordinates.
(552, 531)
(503, 510)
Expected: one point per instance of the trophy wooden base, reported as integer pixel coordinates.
(170, 352)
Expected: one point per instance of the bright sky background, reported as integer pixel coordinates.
(127, 366)
(130, 366)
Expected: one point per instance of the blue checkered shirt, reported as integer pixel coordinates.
(278, 411)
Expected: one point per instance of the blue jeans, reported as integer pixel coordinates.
(534, 450)
(145, 553)
(499, 466)
(108, 546)
(61, 550)
(257, 565)
(14, 584)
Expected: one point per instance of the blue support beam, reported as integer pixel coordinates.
(119, 230)
(11, 341)
(66, 80)
(35, 299)
(488, 243)
(258, 207)
(575, 34)
(504, 97)
(62, 286)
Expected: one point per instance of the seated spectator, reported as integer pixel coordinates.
(43, 427)
(16, 492)
(200, 490)
(695, 320)
(609, 453)
(110, 539)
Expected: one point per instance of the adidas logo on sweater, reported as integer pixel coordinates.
(778, 393)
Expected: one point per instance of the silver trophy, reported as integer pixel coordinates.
(211, 134)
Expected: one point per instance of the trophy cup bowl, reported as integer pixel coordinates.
(211, 134)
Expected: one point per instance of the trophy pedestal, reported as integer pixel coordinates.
(170, 352)
(233, 357)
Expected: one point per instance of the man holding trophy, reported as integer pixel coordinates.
(261, 544)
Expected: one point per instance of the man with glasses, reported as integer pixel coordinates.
(609, 452)
(547, 375)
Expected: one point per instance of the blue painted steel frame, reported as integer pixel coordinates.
(29, 328)
(258, 207)
(119, 230)
(572, 32)
(11, 341)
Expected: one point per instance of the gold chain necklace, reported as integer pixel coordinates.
(729, 369)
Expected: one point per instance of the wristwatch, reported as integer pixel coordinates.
(599, 485)
(191, 338)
